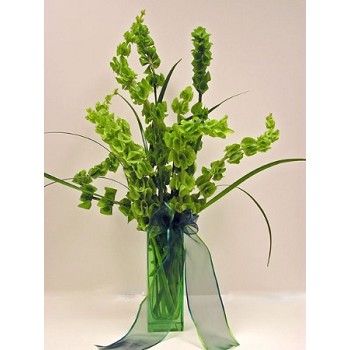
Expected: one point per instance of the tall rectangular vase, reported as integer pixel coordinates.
(165, 277)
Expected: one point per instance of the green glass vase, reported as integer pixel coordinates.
(165, 272)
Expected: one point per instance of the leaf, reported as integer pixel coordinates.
(207, 189)
(110, 193)
(85, 205)
(187, 94)
(217, 128)
(270, 123)
(82, 178)
(134, 157)
(233, 153)
(138, 121)
(217, 169)
(87, 196)
(180, 105)
(123, 49)
(107, 201)
(226, 99)
(162, 91)
(98, 170)
(249, 146)
(266, 220)
(247, 176)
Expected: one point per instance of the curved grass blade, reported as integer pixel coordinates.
(266, 220)
(263, 213)
(79, 135)
(96, 196)
(116, 181)
(138, 121)
(162, 92)
(247, 176)
(100, 177)
(229, 98)
(219, 104)
(55, 182)
(84, 137)
(61, 181)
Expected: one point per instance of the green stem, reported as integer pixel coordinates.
(161, 187)
(61, 181)
(162, 271)
(155, 85)
(155, 94)
(100, 177)
(96, 196)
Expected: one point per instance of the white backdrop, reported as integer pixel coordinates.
(258, 46)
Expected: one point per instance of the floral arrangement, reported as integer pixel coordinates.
(161, 173)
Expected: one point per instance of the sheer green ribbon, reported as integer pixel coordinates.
(202, 290)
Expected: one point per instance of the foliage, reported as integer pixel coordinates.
(164, 168)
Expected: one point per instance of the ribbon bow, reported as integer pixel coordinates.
(202, 290)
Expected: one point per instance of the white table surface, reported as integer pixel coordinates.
(78, 320)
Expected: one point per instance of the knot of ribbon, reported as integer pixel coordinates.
(166, 218)
(202, 290)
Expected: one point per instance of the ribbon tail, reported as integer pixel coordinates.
(138, 337)
(203, 297)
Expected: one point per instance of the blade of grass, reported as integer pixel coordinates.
(138, 121)
(266, 220)
(100, 177)
(55, 182)
(219, 104)
(96, 196)
(226, 99)
(78, 135)
(162, 91)
(263, 213)
(86, 138)
(247, 176)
